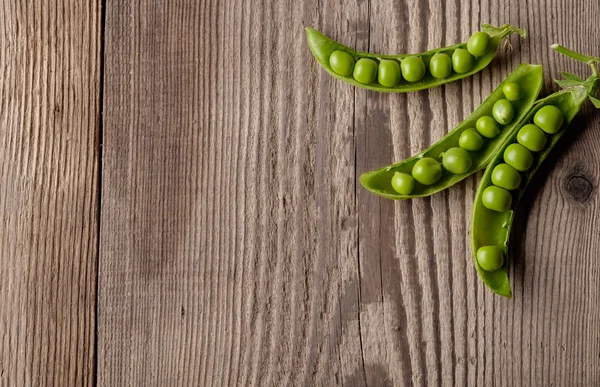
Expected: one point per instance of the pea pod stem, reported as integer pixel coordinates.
(504, 31)
(591, 84)
(589, 60)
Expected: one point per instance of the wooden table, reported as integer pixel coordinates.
(179, 202)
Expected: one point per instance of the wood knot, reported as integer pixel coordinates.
(580, 188)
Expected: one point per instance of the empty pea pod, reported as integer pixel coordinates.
(417, 71)
(493, 210)
(441, 166)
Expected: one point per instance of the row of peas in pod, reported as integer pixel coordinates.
(506, 176)
(412, 68)
(457, 160)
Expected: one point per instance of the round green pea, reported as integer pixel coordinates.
(403, 183)
(512, 91)
(413, 68)
(440, 65)
(462, 61)
(532, 137)
(478, 43)
(505, 176)
(503, 111)
(549, 119)
(427, 171)
(365, 71)
(490, 258)
(389, 73)
(518, 157)
(487, 127)
(341, 63)
(496, 198)
(456, 160)
(470, 140)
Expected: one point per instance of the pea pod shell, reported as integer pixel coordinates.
(530, 77)
(322, 47)
(493, 228)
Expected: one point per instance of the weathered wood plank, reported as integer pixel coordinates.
(49, 150)
(238, 248)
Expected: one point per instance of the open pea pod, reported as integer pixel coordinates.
(514, 165)
(528, 78)
(388, 73)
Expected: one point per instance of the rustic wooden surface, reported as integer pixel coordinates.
(49, 127)
(210, 228)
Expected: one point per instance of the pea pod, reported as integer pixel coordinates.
(409, 72)
(493, 210)
(526, 77)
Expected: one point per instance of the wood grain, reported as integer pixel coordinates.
(238, 248)
(49, 154)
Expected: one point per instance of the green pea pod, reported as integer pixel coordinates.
(419, 71)
(527, 77)
(491, 228)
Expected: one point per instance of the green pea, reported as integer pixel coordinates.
(487, 127)
(505, 176)
(462, 61)
(532, 138)
(389, 73)
(413, 68)
(403, 183)
(503, 111)
(549, 119)
(478, 43)
(518, 157)
(341, 63)
(512, 91)
(457, 160)
(490, 258)
(496, 198)
(365, 71)
(440, 65)
(427, 171)
(470, 140)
